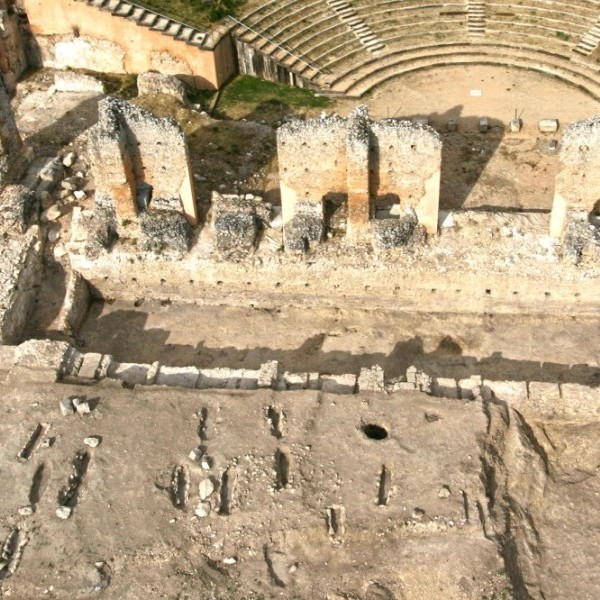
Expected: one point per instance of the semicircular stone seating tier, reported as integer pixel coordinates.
(350, 46)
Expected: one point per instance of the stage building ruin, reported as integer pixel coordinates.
(578, 182)
(140, 162)
(391, 160)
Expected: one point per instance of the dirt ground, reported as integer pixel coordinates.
(499, 347)
(134, 534)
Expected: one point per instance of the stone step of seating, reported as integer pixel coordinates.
(123, 10)
(360, 79)
(476, 18)
(347, 14)
(145, 17)
(589, 42)
(161, 24)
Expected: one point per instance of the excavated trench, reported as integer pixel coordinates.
(515, 471)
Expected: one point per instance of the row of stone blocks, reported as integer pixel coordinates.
(46, 361)
(99, 366)
(146, 17)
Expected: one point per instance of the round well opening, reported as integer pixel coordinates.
(374, 432)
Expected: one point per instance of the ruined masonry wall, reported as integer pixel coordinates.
(13, 59)
(364, 160)
(312, 159)
(12, 161)
(129, 146)
(72, 34)
(408, 158)
(52, 361)
(578, 181)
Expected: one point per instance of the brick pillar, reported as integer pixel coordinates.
(357, 175)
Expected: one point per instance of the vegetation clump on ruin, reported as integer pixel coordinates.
(197, 13)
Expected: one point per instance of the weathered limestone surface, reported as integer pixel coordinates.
(69, 81)
(129, 147)
(363, 160)
(158, 83)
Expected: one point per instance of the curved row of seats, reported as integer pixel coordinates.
(363, 77)
(308, 37)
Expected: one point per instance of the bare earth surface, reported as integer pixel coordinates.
(500, 347)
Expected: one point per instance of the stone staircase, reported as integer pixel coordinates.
(145, 17)
(359, 28)
(475, 18)
(589, 42)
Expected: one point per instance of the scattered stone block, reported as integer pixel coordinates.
(371, 379)
(63, 512)
(206, 489)
(444, 492)
(69, 159)
(25, 511)
(451, 125)
(178, 376)
(548, 125)
(90, 365)
(66, 407)
(516, 125)
(152, 83)
(195, 454)
(70, 81)
(202, 510)
(295, 381)
(484, 125)
(92, 441)
(268, 374)
(82, 406)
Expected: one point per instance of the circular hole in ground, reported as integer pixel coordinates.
(374, 432)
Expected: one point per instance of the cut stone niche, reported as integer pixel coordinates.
(577, 185)
(140, 161)
(363, 160)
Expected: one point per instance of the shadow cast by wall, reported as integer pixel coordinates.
(122, 333)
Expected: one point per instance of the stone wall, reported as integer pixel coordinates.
(72, 34)
(12, 160)
(133, 153)
(407, 158)
(363, 160)
(578, 181)
(253, 62)
(13, 60)
(56, 361)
